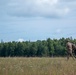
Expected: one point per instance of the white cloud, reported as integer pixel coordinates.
(58, 31)
(36, 8)
(69, 0)
(67, 10)
(20, 40)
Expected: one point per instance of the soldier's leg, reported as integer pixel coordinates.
(68, 55)
(74, 53)
(72, 56)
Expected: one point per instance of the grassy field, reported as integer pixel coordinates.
(37, 66)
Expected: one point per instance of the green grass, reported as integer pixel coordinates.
(37, 66)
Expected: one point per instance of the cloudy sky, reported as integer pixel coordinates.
(37, 19)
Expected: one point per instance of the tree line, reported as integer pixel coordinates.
(39, 48)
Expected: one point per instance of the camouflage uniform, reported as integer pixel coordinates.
(69, 50)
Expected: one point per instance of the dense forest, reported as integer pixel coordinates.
(39, 48)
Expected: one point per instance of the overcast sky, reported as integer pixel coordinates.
(37, 19)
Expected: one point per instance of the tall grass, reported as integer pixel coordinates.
(37, 66)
